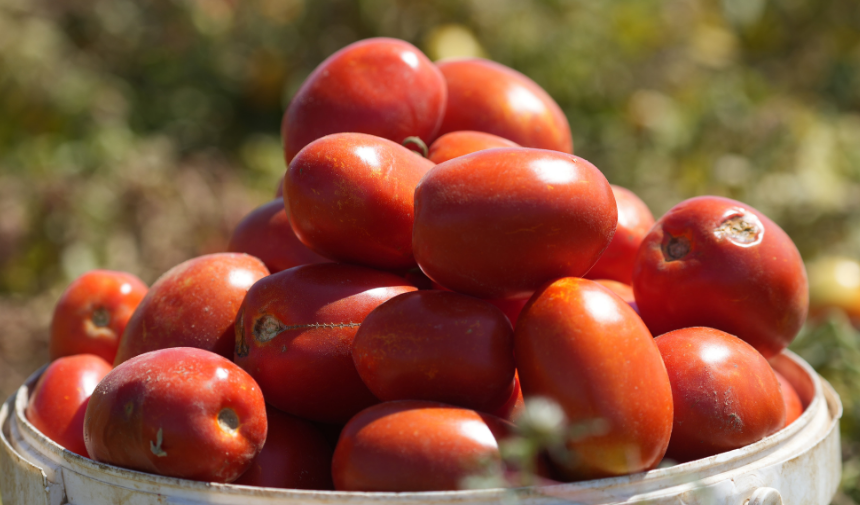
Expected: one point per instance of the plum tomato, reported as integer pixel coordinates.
(624, 291)
(181, 412)
(59, 400)
(634, 222)
(92, 313)
(295, 335)
(793, 405)
(725, 393)
(499, 223)
(489, 97)
(438, 346)
(296, 456)
(455, 144)
(379, 86)
(416, 446)
(580, 345)
(715, 262)
(350, 198)
(514, 405)
(194, 304)
(266, 234)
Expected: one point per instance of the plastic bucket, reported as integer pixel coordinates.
(798, 465)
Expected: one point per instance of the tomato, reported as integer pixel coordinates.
(59, 400)
(92, 313)
(380, 86)
(295, 337)
(634, 222)
(489, 97)
(415, 446)
(266, 234)
(194, 304)
(583, 347)
(623, 291)
(726, 394)
(499, 223)
(438, 346)
(793, 405)
(514, 405)
(834, 283)
(455, 144)
(719, 263)
(350, 198)
(180, 412)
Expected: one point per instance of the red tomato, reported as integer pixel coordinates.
(455, 144)
(295, 336)
(793, 406)
(194, 304)
(438, 346)
(296, 456)
(266, 234)
(59, 400)
(582, 346)
(499, 223)
(180, 412)
(719, 263)
(350, 198)
(92, 313)
(489, 97)
(515, 404)
(383, 87)
(623, 291)
(415, 446)
(726, 394)
(634, 222)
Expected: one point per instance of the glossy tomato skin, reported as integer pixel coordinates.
(790, 398)
(379, 86)
(415, 446)
(59, 400)
(296, 456)
(489, 97)
(350, 198)
(455, 144)
(499, 223)
(194, 304)
(266, 233)
(634, 222)
(624, 291)
(180, 412)
(582, 346)
(715, 262)
(514, 405)
(437, 346)
(726, 394)
(295, 337)
(92, 313)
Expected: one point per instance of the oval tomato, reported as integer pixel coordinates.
(623, 291)
(455, 144)
(793, 405)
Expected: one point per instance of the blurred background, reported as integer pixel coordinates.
(135, 135)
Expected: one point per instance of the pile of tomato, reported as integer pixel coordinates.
(381, 325)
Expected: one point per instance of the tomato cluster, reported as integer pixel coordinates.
(381, 325)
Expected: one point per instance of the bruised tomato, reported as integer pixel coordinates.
(455, 144)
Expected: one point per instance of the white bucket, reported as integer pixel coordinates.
(798, 465)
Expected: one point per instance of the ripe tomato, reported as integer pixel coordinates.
(623, 291)
(725, 393)
(181, 412)
(499, 223)
(515, 404)
(793, 405)
(92, 313)
(455, 144)
(582, 346)
(715, 262)
(59, 400)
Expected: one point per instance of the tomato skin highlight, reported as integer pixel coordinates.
(460, 143)
(580, 345)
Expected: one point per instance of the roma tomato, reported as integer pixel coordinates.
(266, 234)
(416, 446)
(582, 346)
(194, 304)
(719, 263)
(92, 313)
(725, 393)
(455, 144)
(380, 86)
(514, 405)
(438, 346)
(623, 291)
(180, 412)
(295, 336)
(499, 223)
(793, 405)
(489, 97)
(350, 198)
(59, 400)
